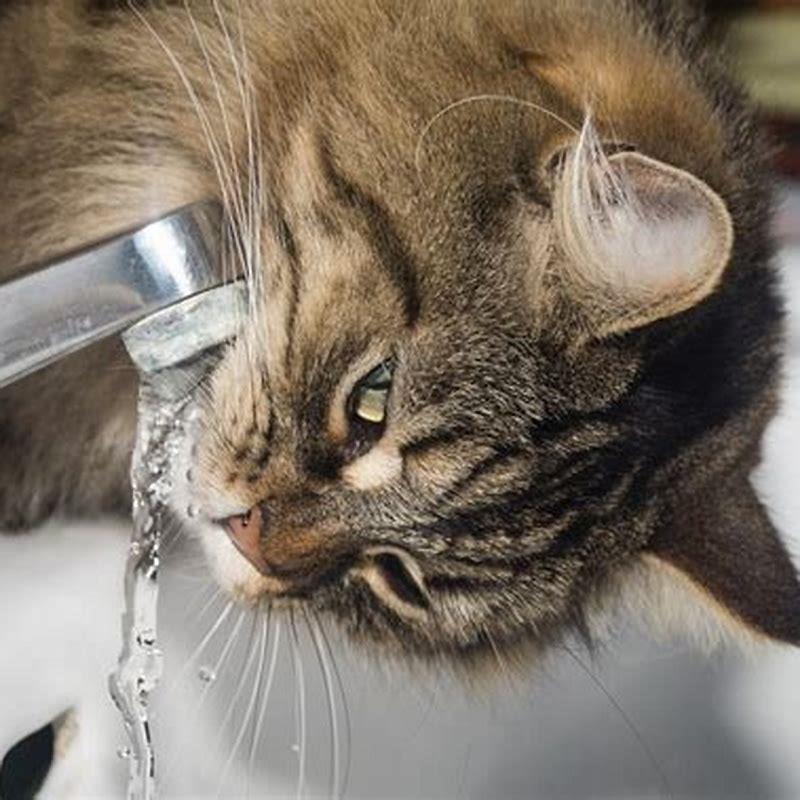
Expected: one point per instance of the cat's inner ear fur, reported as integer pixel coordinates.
(636, 239)
(724, 545)
(396, 580)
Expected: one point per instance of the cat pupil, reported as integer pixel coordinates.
(372, 394)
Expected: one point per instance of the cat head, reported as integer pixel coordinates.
(453, 448)
(499, 349)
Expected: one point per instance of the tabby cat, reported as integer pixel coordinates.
(514, 333)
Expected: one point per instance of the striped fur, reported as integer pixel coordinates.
(390, 173)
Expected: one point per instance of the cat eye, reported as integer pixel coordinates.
(371, 395)
(366, 409)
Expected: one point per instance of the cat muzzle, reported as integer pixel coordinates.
(298, 557)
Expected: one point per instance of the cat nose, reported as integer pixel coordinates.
(246, 532)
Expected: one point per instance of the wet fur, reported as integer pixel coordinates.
(545, 445)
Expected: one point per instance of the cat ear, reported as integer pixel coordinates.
(637, 239)
(734, 556)
(396, 580)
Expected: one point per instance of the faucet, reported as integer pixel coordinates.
(162, 283)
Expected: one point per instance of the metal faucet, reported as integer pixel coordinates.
(171, 266)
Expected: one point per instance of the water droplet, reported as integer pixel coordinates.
(190, 475)
(206, 674)
(147, 637)
(295, 748)
(123, 752)
(192, 511)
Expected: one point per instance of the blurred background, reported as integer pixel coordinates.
(635, 720)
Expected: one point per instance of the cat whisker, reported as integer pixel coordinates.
(167, 690)
(300, 707)
(228, 139)
(223, 615)
(223, 657)
(253, 695)
(246, 99)
(333, 719)
(627, 721)
(215, 594)
(243, 673)
(172, 534)
(187, 576)
(258, 688)
(218, 162)
(251, 220)
(242, 205)
(265, 694)
(483, 98)
(345, 708)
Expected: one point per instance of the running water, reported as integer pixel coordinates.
(161, 427)
(173, 350)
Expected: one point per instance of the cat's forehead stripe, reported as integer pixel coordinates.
(392, 254)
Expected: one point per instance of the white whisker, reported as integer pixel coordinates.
(223, 657)
(482, 98)
(265, 634)
(333, 719)
(251, 653)
(207, 638)
(300, 708)
(273, 661)
(236, 196)
(345, 709)
(253, 700)
(218, 162)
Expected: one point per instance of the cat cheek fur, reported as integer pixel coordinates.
(377, 468)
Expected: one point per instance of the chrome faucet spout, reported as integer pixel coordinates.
(105, 288)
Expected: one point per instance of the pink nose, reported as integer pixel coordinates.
(245, 531)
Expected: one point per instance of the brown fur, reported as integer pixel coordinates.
(398, 169)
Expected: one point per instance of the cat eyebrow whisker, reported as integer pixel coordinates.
(245, 229)
(479, 98)
(241, 207)
(255, 163)
(221, 168)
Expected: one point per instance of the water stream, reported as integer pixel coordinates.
(160, 429)
(174, 351)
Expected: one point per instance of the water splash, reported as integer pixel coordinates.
(206, 674)
(161, 428)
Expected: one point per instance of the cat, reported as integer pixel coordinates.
(514, 332)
